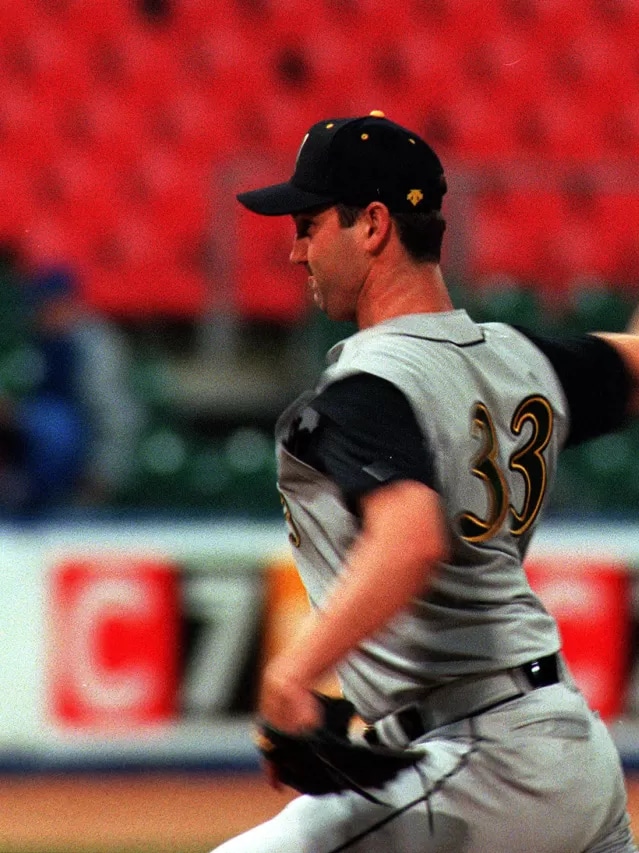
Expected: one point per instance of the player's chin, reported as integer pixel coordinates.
(337, 313)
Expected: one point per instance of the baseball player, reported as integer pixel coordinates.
(413, 476)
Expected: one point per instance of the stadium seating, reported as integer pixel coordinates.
(489, 82)
(123, 140)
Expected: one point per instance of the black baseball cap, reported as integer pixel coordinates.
(355, 161)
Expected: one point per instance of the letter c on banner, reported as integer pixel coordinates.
(105, 600)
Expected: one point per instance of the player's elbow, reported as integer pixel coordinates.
(437, 550)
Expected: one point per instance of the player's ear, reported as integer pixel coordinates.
(378, 225)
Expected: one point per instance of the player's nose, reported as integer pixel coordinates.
(298, 251)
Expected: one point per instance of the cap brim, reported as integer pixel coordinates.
(281, 199)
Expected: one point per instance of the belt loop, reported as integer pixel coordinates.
(520, 679)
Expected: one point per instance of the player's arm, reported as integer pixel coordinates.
(627, 346)
(363, 434)
(633, 324)
(402, 540)
(597, 379)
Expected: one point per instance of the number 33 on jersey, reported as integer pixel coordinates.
(527, 461)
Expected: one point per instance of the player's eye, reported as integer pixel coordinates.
(303, 226)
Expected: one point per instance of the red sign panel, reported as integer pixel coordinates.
(114, 642)
(591, 602)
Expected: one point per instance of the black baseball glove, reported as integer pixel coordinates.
(326, 761)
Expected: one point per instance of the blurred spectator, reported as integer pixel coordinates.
(81, 421)
(14, 480)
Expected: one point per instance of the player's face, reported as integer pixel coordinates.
(333, 258)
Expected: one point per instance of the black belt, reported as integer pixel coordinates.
(542, 672)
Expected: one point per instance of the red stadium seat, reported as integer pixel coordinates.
(37, 55)
(84, 191)
(105, 126)
(576, 251)
(49, 240)
(111, 129)
(226, 61)
(176, 197)
(544, 21)
(479, 131)
(572, 135)
(616, 17)
(27, 125)
(193, 126)
(559, 130)
(594, 239)
(17, 198)
(154, 289)
(468, 22)
(135, 272)
(201, 16)
(371, 19)
(18, 18)
(618, 235)
(619, 128)
(141, 62)
(585, 61)
(506, 66)
(510, 233)
(90, 21)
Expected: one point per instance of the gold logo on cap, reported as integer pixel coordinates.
(415, 196)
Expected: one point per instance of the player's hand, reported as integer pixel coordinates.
(287, 703)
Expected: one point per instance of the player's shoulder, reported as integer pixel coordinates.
(390, 335)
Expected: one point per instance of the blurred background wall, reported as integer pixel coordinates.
(151, 330)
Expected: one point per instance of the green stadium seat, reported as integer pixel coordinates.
(574, 489)
(161, 477)
(320, 334)
(606, 479)
(250, 455)
(598, 308)
(508, 303)
(209, 474)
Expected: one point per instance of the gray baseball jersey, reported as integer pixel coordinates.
(496, 442)
(538, 772)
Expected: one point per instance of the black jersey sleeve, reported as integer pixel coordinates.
(362, 432)
(595, 381)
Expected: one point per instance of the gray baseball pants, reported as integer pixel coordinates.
(540, 774)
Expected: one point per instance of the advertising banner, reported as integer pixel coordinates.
(591, 601)
(140, 645)
(114, 642)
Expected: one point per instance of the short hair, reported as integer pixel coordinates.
(421, 233)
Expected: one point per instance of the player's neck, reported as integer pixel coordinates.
(419, 289)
